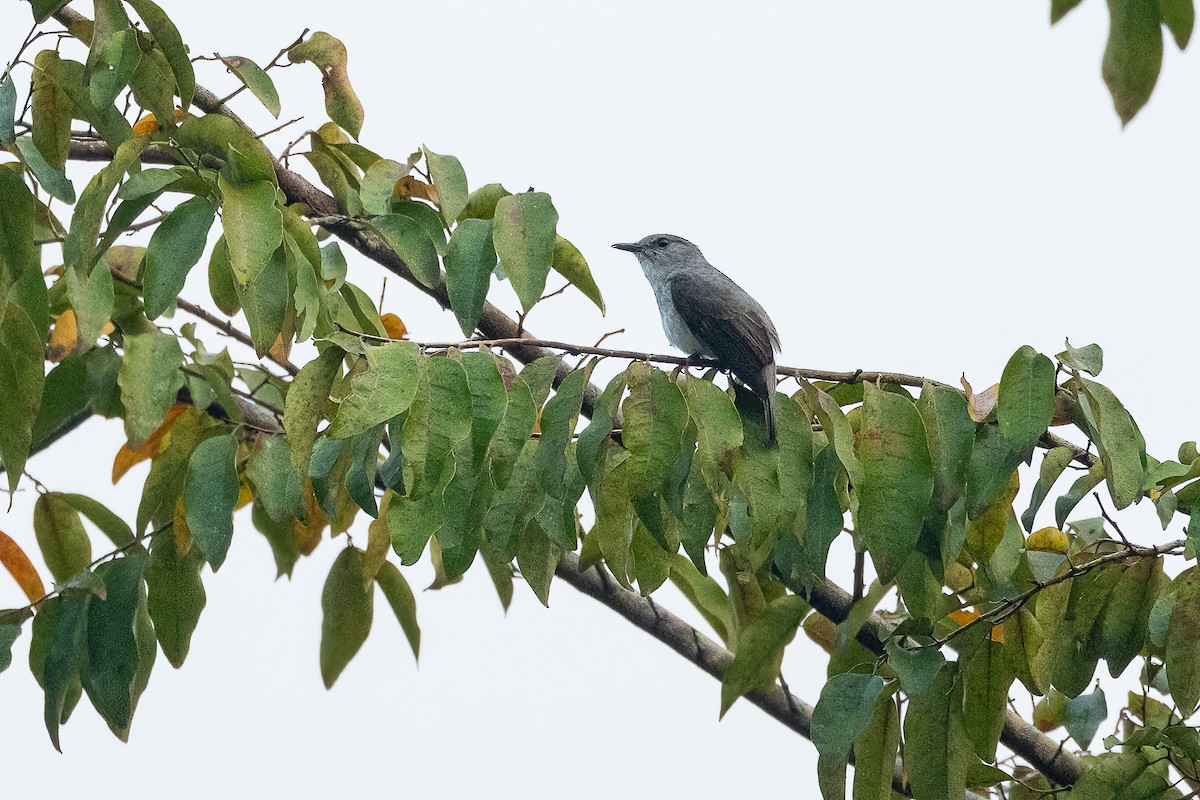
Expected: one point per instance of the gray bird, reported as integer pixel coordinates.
(704, 313)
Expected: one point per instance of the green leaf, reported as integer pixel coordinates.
(451, 182)
(537, 557)
(210, 493)
(264, 301)
(167, 38)
(1023, 639)
(378, 183)
(111, 525)
(1180, 18)
(470, 259)
(1083, 716)
(79, 249)
(63, 655)
(244, 159)
(482, 202)
(936, 748)
(1064, 505)
(18, 256)
(897, 479)
(760, 647)
(571, 264)
(307, 399)
(1122, 448)
(51, 178)
(1025, 405)
(176, 596)
(113, 655)
(705, 594)
(844, 711)
(655, 418)
(1127, 614)
(254, 78)
(51, 112)
(400, 597)
(60, 536)
(986, 675)
(150, 378)
(837, 430)
(8, 109)
(916, 668)
(115, 61)
(107, 120)
(1052, 467)
(949, 433)
(1133, 55)
(347, 608)
(44, 9)
(175, 247)
(1119, 776)
(253, 226)
(329, 55)
(276, 482)
(875, 751)
(386, 388)
(8, 634)
(1089, 358)
(1183, 669)
(21, 380)
(410, 241)
(557, 426)
(1059, 9)
(221, 284)
(93, 299)
(990, 470)
(524, 233)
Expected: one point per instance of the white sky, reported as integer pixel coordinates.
(916, 187)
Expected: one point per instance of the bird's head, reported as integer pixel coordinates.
(663, 252)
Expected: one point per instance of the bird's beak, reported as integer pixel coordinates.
(629, 247)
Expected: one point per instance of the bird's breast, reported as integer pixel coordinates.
(678, 333)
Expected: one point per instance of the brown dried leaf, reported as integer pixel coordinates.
(981, 407)
(21, 568)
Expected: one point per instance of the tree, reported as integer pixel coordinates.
(667, 460)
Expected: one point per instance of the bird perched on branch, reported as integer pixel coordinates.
(704, 313)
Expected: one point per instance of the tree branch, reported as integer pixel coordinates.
(1043, 753)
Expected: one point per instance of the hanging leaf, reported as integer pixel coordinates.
(655, 417)
(759, 649)
(113, 654)
(1122, 448)
(21, 568)
(400, 597)
(167, 38)
(329, 55)
(410, 241)
(897, 479)
(1133, 55)
(1025, 404)
(451, 182)
(175, 247)
(936, 749)
(347, 609)
(470, 259)
(253, 226)
(61, 537)
(1183, 670)
(21, 379)
(150, 379)
(386, 388)
(523, 233)
(254, 78)
(307, 399)
(210, 494)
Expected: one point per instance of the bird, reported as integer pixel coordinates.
(704, 313)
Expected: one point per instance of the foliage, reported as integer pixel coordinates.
(460, 453)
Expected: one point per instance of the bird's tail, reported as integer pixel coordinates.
(768, 398)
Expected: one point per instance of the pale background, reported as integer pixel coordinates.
(920, 187)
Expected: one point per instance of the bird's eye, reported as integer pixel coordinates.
(661, 242)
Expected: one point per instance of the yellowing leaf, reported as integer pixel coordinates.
(245, 495)
(280, 349)
(394, 326)
(64, 337)
(981, 406)
(145, 126)
(128, 456)
(964, 616)
(409, 188)
(21, 568)
(308, 533)
(1047, 540)
(180, 530)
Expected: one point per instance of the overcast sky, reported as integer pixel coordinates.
(919, 187)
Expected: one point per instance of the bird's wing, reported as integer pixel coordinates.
(744, 337)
